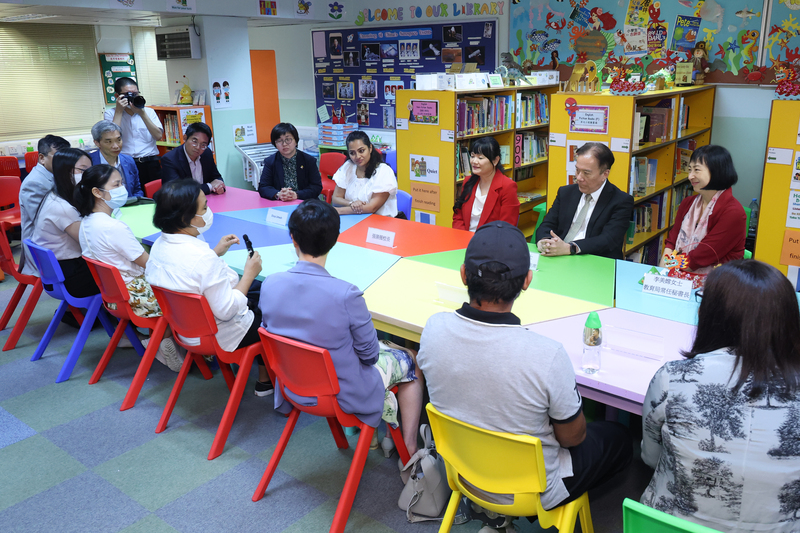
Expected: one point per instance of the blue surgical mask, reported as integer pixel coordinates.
(118, 197)
(208, 218)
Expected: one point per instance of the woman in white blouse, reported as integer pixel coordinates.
(57, 223)
(104, 238)
(364, 184)
(181, 260)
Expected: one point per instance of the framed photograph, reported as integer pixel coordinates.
(329, 90)
(430, 48)
(352, 58)
(367, 89)
(452, 34)
(451, 55)
(344, 90)
(371, 51)
(335, 46)
(389, 51)
(390, 89)
(409, 49)
(362, 114)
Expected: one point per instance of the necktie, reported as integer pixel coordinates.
(578, 224)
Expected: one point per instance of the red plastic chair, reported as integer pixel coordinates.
(308, 371)
(190, 316)
(151, 188)
(329, 163)
(9, 166)
(9, 266)
(31, 160)
(9, 195)
(114, 291)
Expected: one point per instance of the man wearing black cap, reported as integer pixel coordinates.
(484, 368)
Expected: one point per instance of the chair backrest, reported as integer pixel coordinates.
(329, 163)
(188, 314)
(49, 269)
(500, 463)
(9, 166)
(7, 263)
(109, 280)
(152, 188)
(639, 518)
(404, 203)
(9, 191)
(31, 160)
(391, 159)
(305, 369)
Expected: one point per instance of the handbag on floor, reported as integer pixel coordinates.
(426, 493)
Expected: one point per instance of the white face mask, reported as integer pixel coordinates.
(77, 177)
(208, 218)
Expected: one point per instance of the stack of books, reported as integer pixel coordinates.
(487, 114)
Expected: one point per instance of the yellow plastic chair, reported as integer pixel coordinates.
(501, 472)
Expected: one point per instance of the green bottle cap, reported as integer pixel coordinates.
(593, 321)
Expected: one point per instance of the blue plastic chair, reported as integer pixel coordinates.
(404, 203)
(53, 276)
(390, 157)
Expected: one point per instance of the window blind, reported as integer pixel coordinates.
(151, 72)
(49, 80)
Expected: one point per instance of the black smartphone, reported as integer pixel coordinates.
(248, 244)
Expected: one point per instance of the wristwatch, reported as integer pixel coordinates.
(573, 248)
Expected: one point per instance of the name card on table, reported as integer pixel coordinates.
(380, 237)
(448, 293)
(680, 289)
(277, 217)
(535, 261)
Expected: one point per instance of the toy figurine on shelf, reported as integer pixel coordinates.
(699, 63)
(186, 95)
(786, 78)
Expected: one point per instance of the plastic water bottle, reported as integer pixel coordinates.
(29, 147)
(753, 216)
(592, 341)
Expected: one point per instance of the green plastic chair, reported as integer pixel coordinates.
(747, 253)
(539, 208)
(638, 518)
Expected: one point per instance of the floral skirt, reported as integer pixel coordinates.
(142, 300)
(395, 365)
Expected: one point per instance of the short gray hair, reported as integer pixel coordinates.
(102, 127)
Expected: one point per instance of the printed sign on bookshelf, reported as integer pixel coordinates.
(425, 197)
(590, 119)
(424, 168)
(424, 112)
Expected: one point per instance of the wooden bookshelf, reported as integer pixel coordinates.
(422, 139)
(661, 155)
(175, 119)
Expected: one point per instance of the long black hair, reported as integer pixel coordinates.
(490, 149)
(63, 166)
(375, 157)
(751, 308)
(96, 176)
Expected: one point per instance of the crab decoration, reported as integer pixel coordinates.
(788, 88)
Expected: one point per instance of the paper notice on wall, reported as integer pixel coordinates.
(221, 93)
(793, 212)
(779, 156)
(620, 144)
(191, 115)
(790, 252)
(558, 139)
(181, 6)
(244, 134)
(424, 168)
(322, 112)
(425, 196)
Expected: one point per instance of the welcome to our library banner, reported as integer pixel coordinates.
(358, 71)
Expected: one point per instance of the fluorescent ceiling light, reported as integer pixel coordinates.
(22, 18)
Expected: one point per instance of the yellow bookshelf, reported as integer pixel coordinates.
(443, 140)
(775, 186)
(621, 125)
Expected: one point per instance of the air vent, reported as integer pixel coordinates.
(178, 42)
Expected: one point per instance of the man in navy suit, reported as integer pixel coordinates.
(108, 138)
(193, 160)
(590, 216)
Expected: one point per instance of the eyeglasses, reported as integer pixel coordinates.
(284, 141)
(698, 296)
(194, 143)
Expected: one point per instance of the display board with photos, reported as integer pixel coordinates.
(358, 71)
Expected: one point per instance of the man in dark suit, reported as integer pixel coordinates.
(592, 215)
(193, 160)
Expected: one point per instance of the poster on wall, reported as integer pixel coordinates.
(423, 112)
(181, 6)
(114, 66)
(424, 168)
(589, 119)
(221, 93)
(361, 70)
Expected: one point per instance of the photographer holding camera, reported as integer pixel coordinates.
(141, 128)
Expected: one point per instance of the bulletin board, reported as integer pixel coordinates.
(651, 34)
(113, 67)
(357, 72)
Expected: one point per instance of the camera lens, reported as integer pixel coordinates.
(139, 101)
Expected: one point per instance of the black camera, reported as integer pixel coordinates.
(136, 100)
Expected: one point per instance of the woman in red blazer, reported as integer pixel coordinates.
(709, 227)
(488, 195)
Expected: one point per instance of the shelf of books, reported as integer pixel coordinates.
(779, 212)
(175, 119)
(652, 137)
(518, 117)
